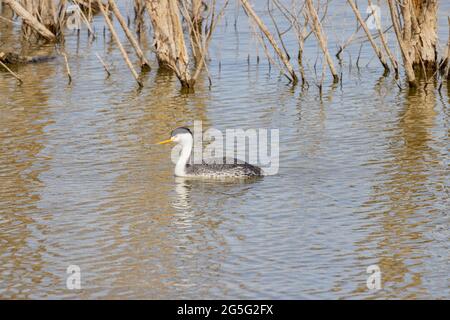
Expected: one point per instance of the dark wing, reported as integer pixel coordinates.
(224, 165)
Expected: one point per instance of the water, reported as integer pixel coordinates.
(363, 179)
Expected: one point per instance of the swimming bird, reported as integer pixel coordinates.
(209, 168)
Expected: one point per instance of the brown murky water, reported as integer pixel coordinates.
(363, 179)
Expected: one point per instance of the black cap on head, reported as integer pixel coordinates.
(180, 130)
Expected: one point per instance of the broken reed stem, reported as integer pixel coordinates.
(195, 20)
(320, 86)
(385, 44)
(322, 41)
(139, 11)
(69, 75)
(119, 44)
(447, 67)
(30, 20)
(212, 26)
(129, 34)
(11, 72)
(9, 20)
(277, 29)
(251, 13)
(83, 16)
(271, 61)
(407, 63)
(104, 64)
(377, 50)
(201, 41)
(300, 32)
(197, 42)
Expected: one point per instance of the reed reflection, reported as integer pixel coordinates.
(405, 199)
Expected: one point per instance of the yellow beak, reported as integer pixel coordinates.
(166, 141)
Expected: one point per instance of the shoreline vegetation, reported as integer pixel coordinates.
(181, 32)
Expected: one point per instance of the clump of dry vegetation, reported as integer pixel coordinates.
(182, 30)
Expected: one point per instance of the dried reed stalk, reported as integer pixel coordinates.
(11, 72)
(103, 64)
(83, 16)
(299, 29)
(321, 38)
(447, 66)
(119, 44)
(200, 38)
(129, 34)
(139, 11)
(69, 75)
(30, 20)
(377, 50)
(385, 45)
(196, 22)
(290, 74)
(407, 63)
(91, 6)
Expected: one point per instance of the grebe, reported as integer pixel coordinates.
(226, 169)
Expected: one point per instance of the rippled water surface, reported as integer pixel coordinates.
(363, 178)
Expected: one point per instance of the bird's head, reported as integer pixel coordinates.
(181, 135)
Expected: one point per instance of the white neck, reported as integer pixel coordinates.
(180, 168)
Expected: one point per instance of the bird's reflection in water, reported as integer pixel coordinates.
(221, 190)
(204, 225)
(182, 201)
(203, 230)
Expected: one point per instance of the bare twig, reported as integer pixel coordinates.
(251, 13)
(104, 64)
(277, 29)
(83, 16)
(119, 44)
(447, 67)
(129, 34)
(378, 52)
(30, 20)
(11, 72)
(321, 38)
(385, 45)
(406, 60)
(69, 75)
(300, 31)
